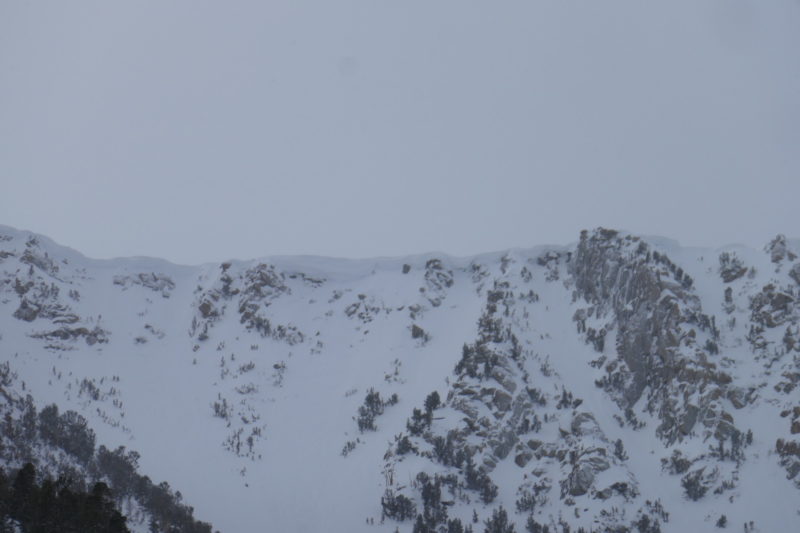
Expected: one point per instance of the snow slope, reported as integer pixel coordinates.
(241, 383)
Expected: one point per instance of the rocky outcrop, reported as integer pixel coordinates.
(731, 267)
(794, 273)
(438, 279)
(773, 307)
(778, 250)
(160, 283)
(505, 417)
(252, 290)
(665, 342)
(91, 336)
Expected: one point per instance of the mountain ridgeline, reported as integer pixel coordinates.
(618, 384)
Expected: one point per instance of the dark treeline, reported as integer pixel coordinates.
(28, 436)
(55, 506)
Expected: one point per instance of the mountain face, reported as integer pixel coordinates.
(621, 384)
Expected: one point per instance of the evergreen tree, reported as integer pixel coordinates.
(404, 445)
(23, 495)
(532, 526)
(455, 526)
(416, 425)
(432, 402)
(421, 527)
(53, 507)
(499, 523)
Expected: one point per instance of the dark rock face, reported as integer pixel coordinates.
(583, 475)
(772, 307)
(207, 309)
(778, 250)
(584, 424)
(501, 400)
(789, 452)
(253, 290)
(580, 480)
(649, 301)
(39, 259)
(260, 285)
(91, 336)
(150, 280)
(523, 458)
(39, 293)
(27, 311)
(731, 267)
(794, 273)
(498, 403)
(437, 280)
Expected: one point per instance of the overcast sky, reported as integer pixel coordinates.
(206, 130)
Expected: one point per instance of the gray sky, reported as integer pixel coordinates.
(204, 130)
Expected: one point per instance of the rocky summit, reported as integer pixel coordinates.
(617, 384)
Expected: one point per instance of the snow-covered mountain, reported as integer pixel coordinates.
(621, 383)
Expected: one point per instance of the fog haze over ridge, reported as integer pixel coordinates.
(197, 131)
